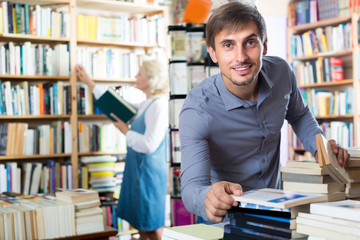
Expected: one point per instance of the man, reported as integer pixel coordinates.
(230, 123)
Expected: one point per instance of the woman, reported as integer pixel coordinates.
(144, 187)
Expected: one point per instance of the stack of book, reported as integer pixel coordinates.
(88, 214)
(331, 220)
(308, 176)
(268, 214)
(101, 169)
(349, 176)
(35, 217)
(353, 188)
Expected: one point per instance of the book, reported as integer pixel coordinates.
(314, 187)
(346, 209)
(194, 232)
(111, 102)
(78, 196)
(278, 198)
(294, 177)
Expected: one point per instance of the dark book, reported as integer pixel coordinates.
(259, 211)
(242, 219)
(111, 102)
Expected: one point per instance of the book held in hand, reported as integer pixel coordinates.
(111, 102)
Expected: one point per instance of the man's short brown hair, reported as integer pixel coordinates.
(233, 16)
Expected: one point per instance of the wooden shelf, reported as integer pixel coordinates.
(100, 153)
(116, 44)
(104, 235)
(327, 84)
(114, 6)
(335, 117)
(115, 80)
(35, 77)
(32, 38)
(323, 23)
(58, 155)
(92, 116)
(324, 54)
(127, 232)
(33, 117)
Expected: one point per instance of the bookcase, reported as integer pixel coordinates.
(124, 30)
(324, 52)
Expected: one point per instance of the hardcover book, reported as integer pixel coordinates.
(111, 102)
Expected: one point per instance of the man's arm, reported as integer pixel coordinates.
(306, 127)
(211, 202)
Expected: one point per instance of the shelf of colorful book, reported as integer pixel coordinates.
(31, 38)
(33, 117)
(100, 153)
(44, 1)
(322, 23)
(129, 7)
(327, 84)
(38, 156)
(324, 54)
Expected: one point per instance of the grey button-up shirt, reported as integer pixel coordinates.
(224, 138)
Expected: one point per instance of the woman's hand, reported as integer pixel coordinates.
(83, 76)
(119, 124)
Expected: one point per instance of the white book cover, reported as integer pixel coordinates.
(346, 209)
(279, 198)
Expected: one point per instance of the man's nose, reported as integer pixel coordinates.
(241, 54)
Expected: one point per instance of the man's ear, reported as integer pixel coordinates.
(212, 54)
(265, 47)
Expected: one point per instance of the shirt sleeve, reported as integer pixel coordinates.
(195, 160)
(98, 91)
(301, 119)
(156, 122)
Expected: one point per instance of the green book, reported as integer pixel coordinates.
(111, 102)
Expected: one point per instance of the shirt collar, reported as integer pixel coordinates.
(232, 102)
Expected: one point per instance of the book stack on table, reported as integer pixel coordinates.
(268, 214)
(348, 176)
(331, 220)
(88, 213)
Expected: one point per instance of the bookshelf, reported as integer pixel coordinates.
(341, 44)
(105, 8)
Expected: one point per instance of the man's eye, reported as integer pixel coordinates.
(250, 42)
(227, 45)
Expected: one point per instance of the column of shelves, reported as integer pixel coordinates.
(348, 84)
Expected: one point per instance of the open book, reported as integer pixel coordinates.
(111, 102)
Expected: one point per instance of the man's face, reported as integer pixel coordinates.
(239, 55)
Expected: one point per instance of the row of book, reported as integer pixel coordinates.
(329, 39)
(35, 177)
(112, 220)
(310, 11)
(175, 147)
(188, 44)
(19, 139)
(115, 63)
(34, 59)
(325, 103)
(184, 77)
(321, 70)
(35, 99)
(100, 137)
(35, 217)
(341, 132)
(124, 28)
(34, 20)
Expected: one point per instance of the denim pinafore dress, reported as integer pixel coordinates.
(144, 186)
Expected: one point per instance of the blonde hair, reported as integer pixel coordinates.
(158, 78)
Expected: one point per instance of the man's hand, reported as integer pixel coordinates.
(123, 127)
(218, 200)
(343, 157)
(83, 76)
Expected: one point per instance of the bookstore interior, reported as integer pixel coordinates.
(62, 159)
